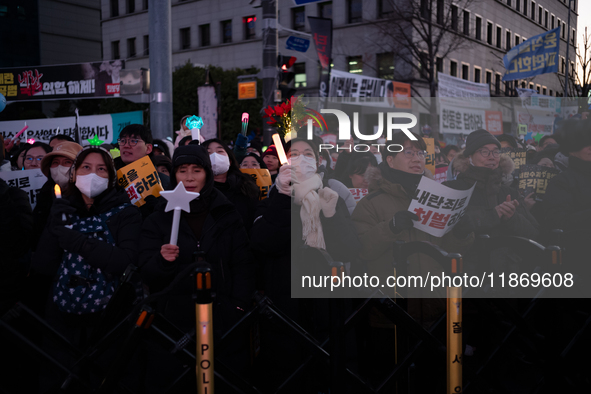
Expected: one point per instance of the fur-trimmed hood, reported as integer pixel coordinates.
(374, 178)
(461, 163)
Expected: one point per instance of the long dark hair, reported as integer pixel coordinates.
(236, 178)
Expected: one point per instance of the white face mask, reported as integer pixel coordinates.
(378, 157)
(304, 167)
(220, 164)
(91, 185)
(60, 175)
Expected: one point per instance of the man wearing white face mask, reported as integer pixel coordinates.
(239, 188)
(56, 167)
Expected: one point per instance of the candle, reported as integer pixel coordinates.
(279, 147)
(58, 194)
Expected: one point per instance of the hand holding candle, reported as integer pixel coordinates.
(58, 194)
(279, 147)
(178, 199)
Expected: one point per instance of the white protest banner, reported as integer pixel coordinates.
(438, 207)
(30, 181)
(208, 111)
(105, 127)
(462, 120)
(459, 92)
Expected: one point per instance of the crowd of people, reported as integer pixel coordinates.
(64, 259)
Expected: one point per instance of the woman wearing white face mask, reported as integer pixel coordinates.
(86, 253)
(238, 187)
(56, 167)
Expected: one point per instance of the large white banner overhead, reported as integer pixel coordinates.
(454, 91)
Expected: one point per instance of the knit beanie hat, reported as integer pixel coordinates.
(477, 139)
(271, 150)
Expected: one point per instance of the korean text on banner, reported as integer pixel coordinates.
(517, 155)
(321, 29)
(534, 178)
(30, 181)
(538, 55)
(438, 207)
(358, 193)
(454, 91)
(430, 156)
(262, 177)
(140, 180)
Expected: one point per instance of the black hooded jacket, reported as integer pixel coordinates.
(223, 241)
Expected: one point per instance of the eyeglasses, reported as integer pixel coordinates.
(31, 158)
(410, 153)
(486, 152)
(125, 141)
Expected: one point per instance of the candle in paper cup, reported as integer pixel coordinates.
(279, 147)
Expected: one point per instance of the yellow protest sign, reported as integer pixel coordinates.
(430, 157)
(140, 180)
(263, 179)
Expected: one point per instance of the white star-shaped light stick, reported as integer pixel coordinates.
(178, 199)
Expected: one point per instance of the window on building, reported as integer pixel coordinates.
(489, 33)
(551, 93)
(572, 37)
(298, 18)
(478, 28)
(355, 64)
(499, 37)
(497, 84)
(146, 45)
(454, 17)
(130, 6)
(538, 88)
(509, 3)
(507, 88)
(440, 12)
(205, 35)
(424, 65)
(131, 52)
(563, 29)
(562, 65)
(488, 78)
(325, 10)
(114, 8)
(115, 54)
(523, 85)
(249, 23)
(517, 5)
(425, 11)
(508, 39)
(516, 40)
(385, 65)
(546, 19)
(533, 10)
(540, 15)
(552, 22)
(453, 68)
(226, 31)
(299, 70)
(531, 85)
(386, 8)
(544, 91)
(466, 72)
(572, 69)
(145, 4)
(185, 38)
(439, 64)
(466, 18)
(477, 73)
(354, 8)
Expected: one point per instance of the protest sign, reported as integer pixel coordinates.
(538, 55)
(517, 155)
(454, 119)
(430, 156)
(140, 180)
(438, 207)
(441, 173)
(263, 179)
(358, 193)
(534, 178)
(29, 181)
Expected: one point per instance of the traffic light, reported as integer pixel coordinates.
(285, 76)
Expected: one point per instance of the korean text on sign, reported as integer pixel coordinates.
(534, 179)
(358, 193)
(438, 207)
(29, 181)
(262, 177)
(140, 180)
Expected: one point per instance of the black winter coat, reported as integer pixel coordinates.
(113, 259)
(41, 212)
(234, 190)
(225, 244)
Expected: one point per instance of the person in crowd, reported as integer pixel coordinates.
(255, 147)
(17, 158)
(56, 166)
(441, 160)
(506, 141)
(86, 253)
(546, 141)
(374, 150)
(185, 140)
(238, 187)
(252, 160)
(34, 154)
(163, 164)
(545, 158)
(272, 161)
(566, 203)
(160, 148)
(58, 139)
(213, 229)
(450, 151)
(354, 175)
(494, 208)
(5, 164)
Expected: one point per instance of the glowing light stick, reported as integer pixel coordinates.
(179, 200)
(279, 147)
(95, 141)
(19, 133)
(195, 123)
(58, 194)
(244, 123)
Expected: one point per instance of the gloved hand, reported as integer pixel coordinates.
(284, 177)
(241, 141)
(60, 206)
(464, 227)
(402, 220)
(328, 201)
(70, 240)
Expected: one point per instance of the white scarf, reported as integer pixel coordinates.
(305, 194)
